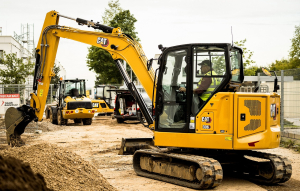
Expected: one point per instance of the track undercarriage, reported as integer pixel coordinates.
(203, 169)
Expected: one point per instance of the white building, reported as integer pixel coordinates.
(10, 45)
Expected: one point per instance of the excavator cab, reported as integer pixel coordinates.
(202, 70)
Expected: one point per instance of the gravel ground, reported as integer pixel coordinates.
(94, 148)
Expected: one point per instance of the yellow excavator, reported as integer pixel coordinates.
(193, 141)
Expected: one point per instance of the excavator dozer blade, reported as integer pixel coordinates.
(16, 120)
(130, 145)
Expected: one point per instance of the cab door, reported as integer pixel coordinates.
(172, 106)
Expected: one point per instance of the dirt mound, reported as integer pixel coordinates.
(16, 175)
(62, 169)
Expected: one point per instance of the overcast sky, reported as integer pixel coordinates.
(268, 25)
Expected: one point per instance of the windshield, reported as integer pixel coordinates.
(235, 59)
(74, 88)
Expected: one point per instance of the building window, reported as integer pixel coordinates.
(1, 54)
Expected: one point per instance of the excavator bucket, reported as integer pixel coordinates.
(130, 145)
(16, 120)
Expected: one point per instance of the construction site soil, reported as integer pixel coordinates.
(78, 157)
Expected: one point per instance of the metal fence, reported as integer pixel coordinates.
(24, 91)
(289, 82)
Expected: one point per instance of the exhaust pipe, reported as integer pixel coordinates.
(16, 120)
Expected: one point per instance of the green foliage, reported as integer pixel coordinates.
(109, 14)
(102, 63)
(126, 22)
(100, 60)
(15, 70)
(218, 64)
(253, 71)
(247, 54)
(56, 78)
(288, 143)
(295, 48)
(294, 55)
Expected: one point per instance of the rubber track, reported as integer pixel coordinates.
(212, 170)
(281, 165)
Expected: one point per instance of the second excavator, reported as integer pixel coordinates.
(196, 136)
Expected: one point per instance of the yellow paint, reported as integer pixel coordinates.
(84, 113)
(267, 136)
(192, 140)
(220, 109)
(100, 109)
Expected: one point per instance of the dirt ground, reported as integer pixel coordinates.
(96, 148)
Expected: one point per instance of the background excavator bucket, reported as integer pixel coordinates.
(16, 120)
(130, 145)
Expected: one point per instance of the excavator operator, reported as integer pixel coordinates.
(207, 84)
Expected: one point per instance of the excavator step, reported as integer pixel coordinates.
(191, 171)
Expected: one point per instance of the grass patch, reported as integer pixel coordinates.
(290, 144)
(291, 127)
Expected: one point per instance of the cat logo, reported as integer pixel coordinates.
(103, 41)
(95, 105)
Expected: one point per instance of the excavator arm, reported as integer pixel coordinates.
(121, 47)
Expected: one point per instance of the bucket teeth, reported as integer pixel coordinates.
(16, 120)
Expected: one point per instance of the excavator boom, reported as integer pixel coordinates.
(121, 47)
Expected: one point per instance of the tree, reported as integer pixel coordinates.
(294, 55)
(247, 59)
(253, 71)
(109, 14)
(126, 22)
(247, 54)
(99, 60)
(15, 70)
(295, 49)
(56, 78)
(102, 63)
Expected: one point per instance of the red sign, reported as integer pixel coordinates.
(8, 100)
(9, 95)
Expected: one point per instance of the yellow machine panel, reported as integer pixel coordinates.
(264, 131)
(220, 110)
(193, 140)
(251, 115)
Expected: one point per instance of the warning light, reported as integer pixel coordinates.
(61, 78)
